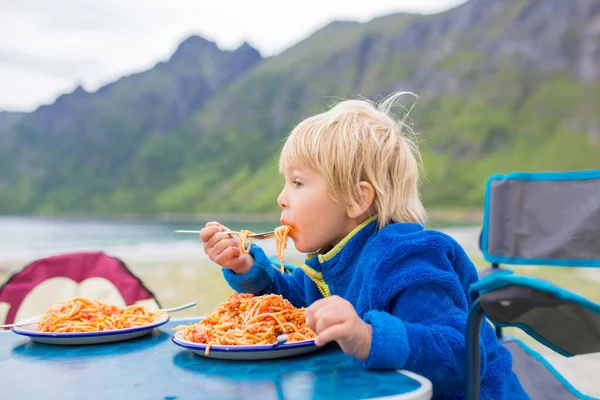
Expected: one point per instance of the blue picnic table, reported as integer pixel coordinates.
(152, 367)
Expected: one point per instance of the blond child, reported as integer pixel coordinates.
(388, 291)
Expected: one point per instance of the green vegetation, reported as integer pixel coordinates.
(201, 132)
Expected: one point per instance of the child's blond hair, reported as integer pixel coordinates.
(356, 141)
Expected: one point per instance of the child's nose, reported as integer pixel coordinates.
(281, 200)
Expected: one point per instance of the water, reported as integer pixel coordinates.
(24, 239)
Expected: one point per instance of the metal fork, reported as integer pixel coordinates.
(257, 236)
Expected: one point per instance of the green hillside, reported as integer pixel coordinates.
(502, 86)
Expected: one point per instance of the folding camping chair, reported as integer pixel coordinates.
(544, 219)
(36, 287)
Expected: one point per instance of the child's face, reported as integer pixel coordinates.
(317, 220)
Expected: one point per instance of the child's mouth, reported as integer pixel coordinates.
(292, 230)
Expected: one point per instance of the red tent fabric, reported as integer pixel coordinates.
(76, 268)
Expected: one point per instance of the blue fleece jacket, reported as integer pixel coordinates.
(410, 285)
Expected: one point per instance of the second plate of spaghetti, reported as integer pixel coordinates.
(82, 321)
(245, 327)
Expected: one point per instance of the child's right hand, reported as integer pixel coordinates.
(224, 249)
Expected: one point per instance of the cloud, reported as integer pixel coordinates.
(71, 15)
(51, 66)
(94, 42)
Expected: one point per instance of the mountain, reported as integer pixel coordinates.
(503, 85)
(9, 119)
(71, 154)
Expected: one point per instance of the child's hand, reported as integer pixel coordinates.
(224, 249)
(334, 318)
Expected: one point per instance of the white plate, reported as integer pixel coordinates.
(252, 352)
(80, 338)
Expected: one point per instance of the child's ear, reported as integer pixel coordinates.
(366, 194)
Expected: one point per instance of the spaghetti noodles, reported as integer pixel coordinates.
(85, 315)
(281, 234)
(245, 319)
(245, 241)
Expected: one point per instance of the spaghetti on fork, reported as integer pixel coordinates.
(281, 236)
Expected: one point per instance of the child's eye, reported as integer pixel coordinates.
(298, 184)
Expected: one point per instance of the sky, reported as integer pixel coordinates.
(47, 48)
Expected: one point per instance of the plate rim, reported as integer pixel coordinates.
(234, 348)
(71, 335)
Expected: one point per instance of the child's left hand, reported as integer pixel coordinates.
(334, 318)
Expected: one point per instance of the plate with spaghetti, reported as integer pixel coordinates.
(82, 321)
(245, 327)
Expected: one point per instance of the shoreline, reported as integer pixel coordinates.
(190, 250)
(435, 215)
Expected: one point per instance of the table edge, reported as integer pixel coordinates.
(425, 392)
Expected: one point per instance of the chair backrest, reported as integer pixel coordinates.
(39, 285)
(542, 218)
